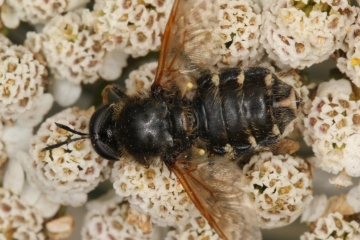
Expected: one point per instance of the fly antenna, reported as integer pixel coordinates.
(62, 126)
(59, 125)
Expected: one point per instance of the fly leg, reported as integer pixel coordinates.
(114, 89)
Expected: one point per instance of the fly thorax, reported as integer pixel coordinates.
(145, 128)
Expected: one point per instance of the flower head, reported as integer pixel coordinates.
(281, 187)
(22, 80)
(350, 63)
(38, 11)
(239, 28)
(333, 226)
(68, 172)
(140, 80)
(72, 51)
(74, 54)
(154, 190)
(332, 128)
(18, 219)
(299, 34)
(133, 26)
(109, 217)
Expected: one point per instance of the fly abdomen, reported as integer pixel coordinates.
(209, 112)
(241, 108)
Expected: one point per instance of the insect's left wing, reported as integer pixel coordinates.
(215, 184)
(188, 45)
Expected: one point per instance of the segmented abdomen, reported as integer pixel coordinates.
(239, 108)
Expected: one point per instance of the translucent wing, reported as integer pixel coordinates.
(188, 43)
(215, 184)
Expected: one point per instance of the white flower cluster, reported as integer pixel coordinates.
(332, 128)
(72, 51)
(281, 187)
(67, 173)
(154, 190)
(27, 213)
(140, 80)
(74, 46)
(333, 218)
(35, 11)
(333, 226)
(301, 33)
(109, 217)
(239, 28)
(18, 219)
(350, 64)
(22, 80)
(74, 54)
(135, 27)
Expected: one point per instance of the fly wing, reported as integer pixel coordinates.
(188, 43)
(215, 184)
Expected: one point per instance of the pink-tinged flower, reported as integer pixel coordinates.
(66, 173)
(299, 34)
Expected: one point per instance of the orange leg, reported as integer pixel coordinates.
(115, 89)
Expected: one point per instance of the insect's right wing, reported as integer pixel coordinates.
(216, 185)
(188, 45)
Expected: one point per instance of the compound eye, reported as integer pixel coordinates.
(104, 151)
(101, 133)
(97, 120)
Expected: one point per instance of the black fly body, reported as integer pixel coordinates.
(237, 111)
